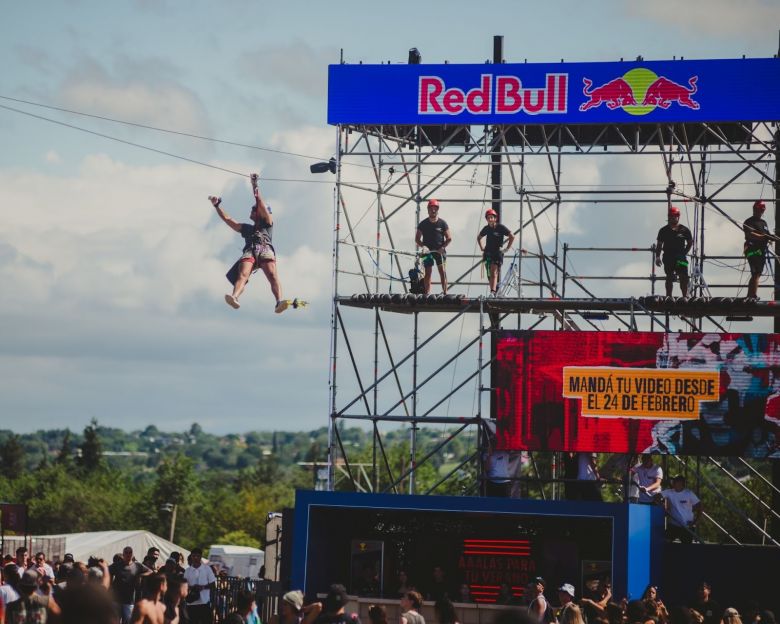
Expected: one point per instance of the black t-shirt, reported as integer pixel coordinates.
(674, 242)
(758, 225)
(433, 233)
(124, 580)
(261, 234)
(494, 237)
(340, 618)
(711, 611)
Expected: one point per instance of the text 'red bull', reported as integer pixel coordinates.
(504, 95)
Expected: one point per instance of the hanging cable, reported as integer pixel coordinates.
(166, 130)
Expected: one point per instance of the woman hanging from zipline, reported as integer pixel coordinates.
(258, 252)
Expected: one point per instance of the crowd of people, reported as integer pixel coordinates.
(125, 591)
(534, 605)
(34, 590)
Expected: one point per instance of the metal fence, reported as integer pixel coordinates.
(223, 598)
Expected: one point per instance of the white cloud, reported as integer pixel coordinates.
(296, 66)
(133, 96)
(717, 18)
(115, 279)
(52, 157)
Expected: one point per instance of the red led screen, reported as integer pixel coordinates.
(636, 392)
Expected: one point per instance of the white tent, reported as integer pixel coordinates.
(101, 544)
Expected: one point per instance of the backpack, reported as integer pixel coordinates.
(416, 285)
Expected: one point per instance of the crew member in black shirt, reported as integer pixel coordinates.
(675, 241)
(434, 233)
(492, 251)
(756, 242)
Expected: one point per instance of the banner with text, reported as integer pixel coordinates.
(638, 392)
(556, 93)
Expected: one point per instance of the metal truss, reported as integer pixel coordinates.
(392, 362)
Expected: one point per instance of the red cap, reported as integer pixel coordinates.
(490, 213)
(760, 205)
(433, 202)
(674, 211)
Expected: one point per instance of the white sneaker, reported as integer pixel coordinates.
(281, 306)
(232, 301)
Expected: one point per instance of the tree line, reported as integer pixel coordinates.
(223, 487)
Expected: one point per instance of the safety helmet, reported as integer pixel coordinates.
(491, 213)
(433, 202)
(760, 205)
(674, 211)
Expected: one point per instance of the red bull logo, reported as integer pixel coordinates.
(503, 95)
(639, 92)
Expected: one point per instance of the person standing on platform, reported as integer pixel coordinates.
(683, 508)
(757, 237)
(647, 477)
(588, 475)
(493, 251)
(434, 234)
(675, 241)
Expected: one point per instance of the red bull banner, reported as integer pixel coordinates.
(638, 392)
(542, 93)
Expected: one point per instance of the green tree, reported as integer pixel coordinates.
(12, 457)
(176, 484)
(238, 538)
(65, 455)
(91, 448)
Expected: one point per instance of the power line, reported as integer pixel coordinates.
(155, 150)
(168, 131)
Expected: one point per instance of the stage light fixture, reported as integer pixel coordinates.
(322, 167)
(595, 316)
(415, 58)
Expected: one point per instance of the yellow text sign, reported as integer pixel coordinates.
(665, 394)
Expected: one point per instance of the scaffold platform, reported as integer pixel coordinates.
(677, 306)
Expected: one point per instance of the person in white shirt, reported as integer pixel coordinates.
(589, 479)
(683, 510)
(44, 569)
(11, 576)
(646, 476)
(201, 580)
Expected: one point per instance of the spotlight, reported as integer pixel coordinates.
(415, 58)
(595, 316)
(322, 167)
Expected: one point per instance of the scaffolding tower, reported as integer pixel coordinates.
(400, 359)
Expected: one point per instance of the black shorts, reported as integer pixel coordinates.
(676, 264)
(434, 257)
(493, 258)
(756, 260)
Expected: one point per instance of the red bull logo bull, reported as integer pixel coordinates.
(639, 92)
(503, 95)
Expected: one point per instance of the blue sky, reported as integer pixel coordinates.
(111, 258)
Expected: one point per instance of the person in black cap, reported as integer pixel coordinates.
(333, 607)
(538, 605)
(31, 606)
(757, 238)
